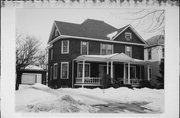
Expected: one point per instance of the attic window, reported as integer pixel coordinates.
(128, 36)
(56, 32)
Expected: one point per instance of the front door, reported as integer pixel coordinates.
(103, 70)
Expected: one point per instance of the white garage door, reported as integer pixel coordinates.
(31, 78)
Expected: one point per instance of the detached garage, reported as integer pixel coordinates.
(33, 74)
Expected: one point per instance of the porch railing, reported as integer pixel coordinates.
(133, 81)
(88, 80)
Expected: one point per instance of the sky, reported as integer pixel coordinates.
(39, 22)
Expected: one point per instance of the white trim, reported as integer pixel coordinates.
(85, 68)
(87, 47)
(112, 46)
(55, 77)
(94, 39)
(62, 51)
(53, 29)
(130, 34)
(149, 68)
(56, 32)
(130, 50)
(67, 69)
(130, 26)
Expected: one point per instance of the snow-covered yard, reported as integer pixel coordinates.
(40, 98)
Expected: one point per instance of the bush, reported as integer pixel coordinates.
(106, 81)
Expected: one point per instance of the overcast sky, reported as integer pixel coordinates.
(38, 22)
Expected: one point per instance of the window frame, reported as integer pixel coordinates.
(149, 53)
(82, 47)
(55, 72)
(128, 34)
(127, 51)
(85, 68)
(62, 51)
(106, 45)
(56, 32)
(67, 70)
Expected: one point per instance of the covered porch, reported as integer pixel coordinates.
(122, 69)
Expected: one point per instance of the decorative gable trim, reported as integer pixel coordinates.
(130, 26)
(54, 28)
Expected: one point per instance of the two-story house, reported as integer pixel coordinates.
(80, 54)
(154, 53)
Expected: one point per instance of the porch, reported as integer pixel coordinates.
(121, 68)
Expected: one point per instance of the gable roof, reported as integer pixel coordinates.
(155, 40)
(90, 28)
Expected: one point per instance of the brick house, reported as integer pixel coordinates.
(80, 54)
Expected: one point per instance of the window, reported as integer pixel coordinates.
(106, 49)
(149, 54)
(128, 51)
(51, 55)
(65, 46)
(64, 70)
(128, 36)
(149, 73)
(56, 32)
(55, 71)
(163, 52)
(87, 70)
(84, 48)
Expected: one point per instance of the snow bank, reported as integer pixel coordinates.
(40, 98)
(154, 97)
(63, 104)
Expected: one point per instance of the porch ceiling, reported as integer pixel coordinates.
(117, 57)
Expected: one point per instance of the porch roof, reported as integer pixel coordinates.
(117, 57)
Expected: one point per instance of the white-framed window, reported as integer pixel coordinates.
(55, 71)
(106, 49)
(149, 73)
(51, 55)
(65, 46)
(84, 47)
(128, 50)
(56, 33)
(128, 36)
(87, 70)
(64, 70)
(149, 54)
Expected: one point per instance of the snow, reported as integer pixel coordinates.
(33, 67)
(40, 98)
(111, 35)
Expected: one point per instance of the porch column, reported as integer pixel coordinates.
(148, 72)
(112, 71)
(140, 72)
(83, 73)
(107, 68)
(129, 73)
(124, 73)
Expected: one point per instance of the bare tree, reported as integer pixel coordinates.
(150, 20)
(27, 48)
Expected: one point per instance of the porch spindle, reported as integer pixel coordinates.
(83, 73)
(107, 68)
(129, 73)
(111, 71)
